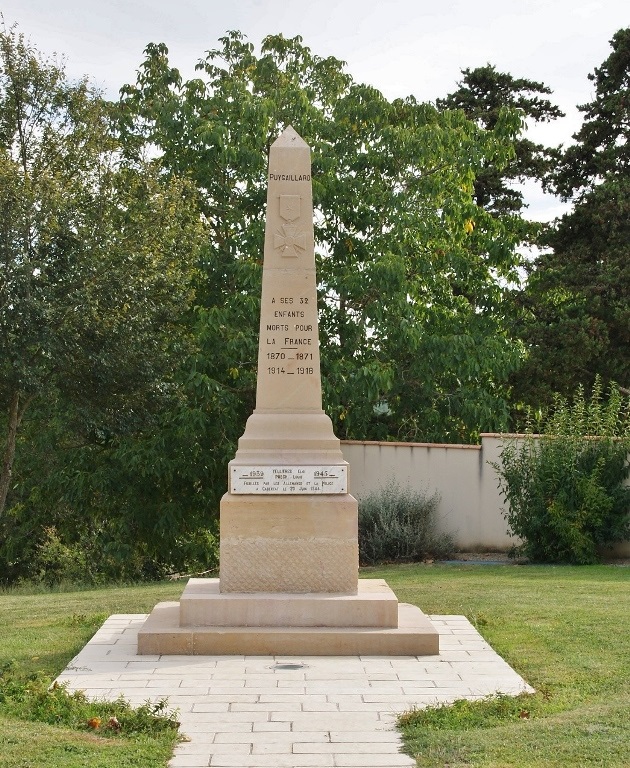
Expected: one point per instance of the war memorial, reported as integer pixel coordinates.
(288, 581)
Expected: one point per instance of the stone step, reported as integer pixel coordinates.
(162, 634)
(203, 604)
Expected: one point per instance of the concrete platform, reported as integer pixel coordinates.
(162, 634)
(290, 711)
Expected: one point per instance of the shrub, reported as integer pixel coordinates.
(56, 561)
(564, 488)
(97, 555)
(399, 524)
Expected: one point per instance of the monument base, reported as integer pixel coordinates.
(208, 622)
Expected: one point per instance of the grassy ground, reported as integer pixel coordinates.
(565, 630)
(42, 632)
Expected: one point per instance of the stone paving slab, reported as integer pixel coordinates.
(249, 712)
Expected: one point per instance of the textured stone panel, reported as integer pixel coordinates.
(289, 565)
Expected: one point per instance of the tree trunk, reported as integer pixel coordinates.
(15, 416)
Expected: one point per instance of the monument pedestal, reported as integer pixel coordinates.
(289, 554)
(208, 622)
(288, 586)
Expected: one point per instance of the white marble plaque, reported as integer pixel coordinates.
(288, 479)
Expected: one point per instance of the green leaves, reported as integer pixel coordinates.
(601, 145)
(404, 253)
(97, 253)
(576, 323)
(502, 103)
(565, 489)
(93, 250)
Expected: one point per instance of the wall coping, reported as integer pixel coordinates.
(508, 435)
(412, 445)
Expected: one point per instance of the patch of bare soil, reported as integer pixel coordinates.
(503, 558)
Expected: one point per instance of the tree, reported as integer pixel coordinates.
(578, 296)
(482, 94)
(412, 271)
(95, 259)
(578, 300)
(602, 145)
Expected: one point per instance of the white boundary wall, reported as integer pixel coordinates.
(471, 505)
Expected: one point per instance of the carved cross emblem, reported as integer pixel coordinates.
(290, 240)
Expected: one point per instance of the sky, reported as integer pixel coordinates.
(401, 47)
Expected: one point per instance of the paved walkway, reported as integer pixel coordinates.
(290, 712)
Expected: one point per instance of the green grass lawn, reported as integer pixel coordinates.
(565, 630)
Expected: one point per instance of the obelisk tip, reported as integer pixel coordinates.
(289, 138)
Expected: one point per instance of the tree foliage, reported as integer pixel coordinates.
(602, 145)
(411, 270)
(578, 300)
(483, 93)
(578, 297)
(96, 259)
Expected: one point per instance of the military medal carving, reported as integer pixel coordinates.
(290, 241)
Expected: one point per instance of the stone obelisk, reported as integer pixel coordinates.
(289, 545)
(288, 523)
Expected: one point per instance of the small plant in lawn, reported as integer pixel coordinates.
(565, 488)
(36, 698)
(399, 525)
(86, 620)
